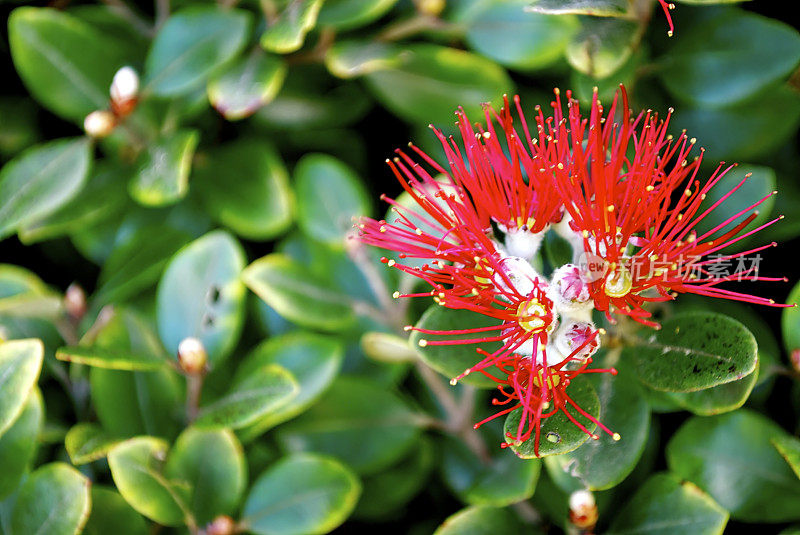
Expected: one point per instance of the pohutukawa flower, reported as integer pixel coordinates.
(634, 196)
(667, 6)
(540, 390)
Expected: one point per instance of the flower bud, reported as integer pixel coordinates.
(519, 273)
(578, 339)
(222, 525)
(582, 509)
(569, 291)
(523, 243)
(125, 85)
(99, 123)
(75, 301)
(794, 358)
(431, 7)
(192, 356)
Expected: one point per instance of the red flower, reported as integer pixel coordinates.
(634, 197)
(540, 390)
(666, 6)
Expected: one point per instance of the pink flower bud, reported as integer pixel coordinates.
(578, 339)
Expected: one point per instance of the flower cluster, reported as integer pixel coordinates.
(622, 193)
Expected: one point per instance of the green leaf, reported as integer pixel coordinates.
(213, 466)
(136, 264)
(394, 487)
(130, 403)
(558, 434)
(507, 479)
(602, 46)
(481, 520)
(297, 294)
(717, 399)
(239, 89)
(261, 205)
(300, 494)
(769, 118)
(597, 8)
(731, 457)
(433, 81)
(55, 499)
(20, 364)
(162, 177)
(254, 396)
(790, 322)
(329, 196)
(386, 347)
(66, 63)
(368, 437)
(110, 359)
(694, 351)
(18, 444)
(349, 59)
(349, 14)
(136, 467)
(112, 514)
(200, 295)
(452, 360)
(712, 62)
(314, 361)
(191, 44)
(665, 505)
(41, 180)
(289, 30)
(515, 37)
(101, 198)
(87, 442)
(789, 448)
(604, 463)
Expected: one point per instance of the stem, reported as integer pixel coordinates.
(162, 14)
(194, 387)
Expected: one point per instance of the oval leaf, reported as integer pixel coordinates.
(87, 442)
(112, 514)
(480, 520)
(55, 499)
(300, 494)
(162, 177)
(242, 87)
(18, 444)
(20, 364)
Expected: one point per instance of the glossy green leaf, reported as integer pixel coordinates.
(200, 295)
(604, 463)
(508, 33)
(300, 494)
(287, 33)
(41, 180)
(480, 520)
(558, 434)
(112, 514)
(110, 359)
(349, 59)
(19, 442)
(348, 14)
(789, 448)
(297, 294)
(597, 8)
(261, 205)
(368, 437)
(66, 63)
(87, 442)
(507, 479)
(329, 196)
(55, 499)
(433, 81)
(136, 467)
(732, 458)
(162, 176)
(212, 465)
(242, 87)
(395, 486)
(790, 322)
(694, 351)
(602, 45)
(20, 364)
(665, 505)
(102, 197)
(712, 62)
(312, 359)
(137, 263)
(717, 399)
(385, 347)
(453, 360)
(254, 396)
(769, 119)
(190, 45)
